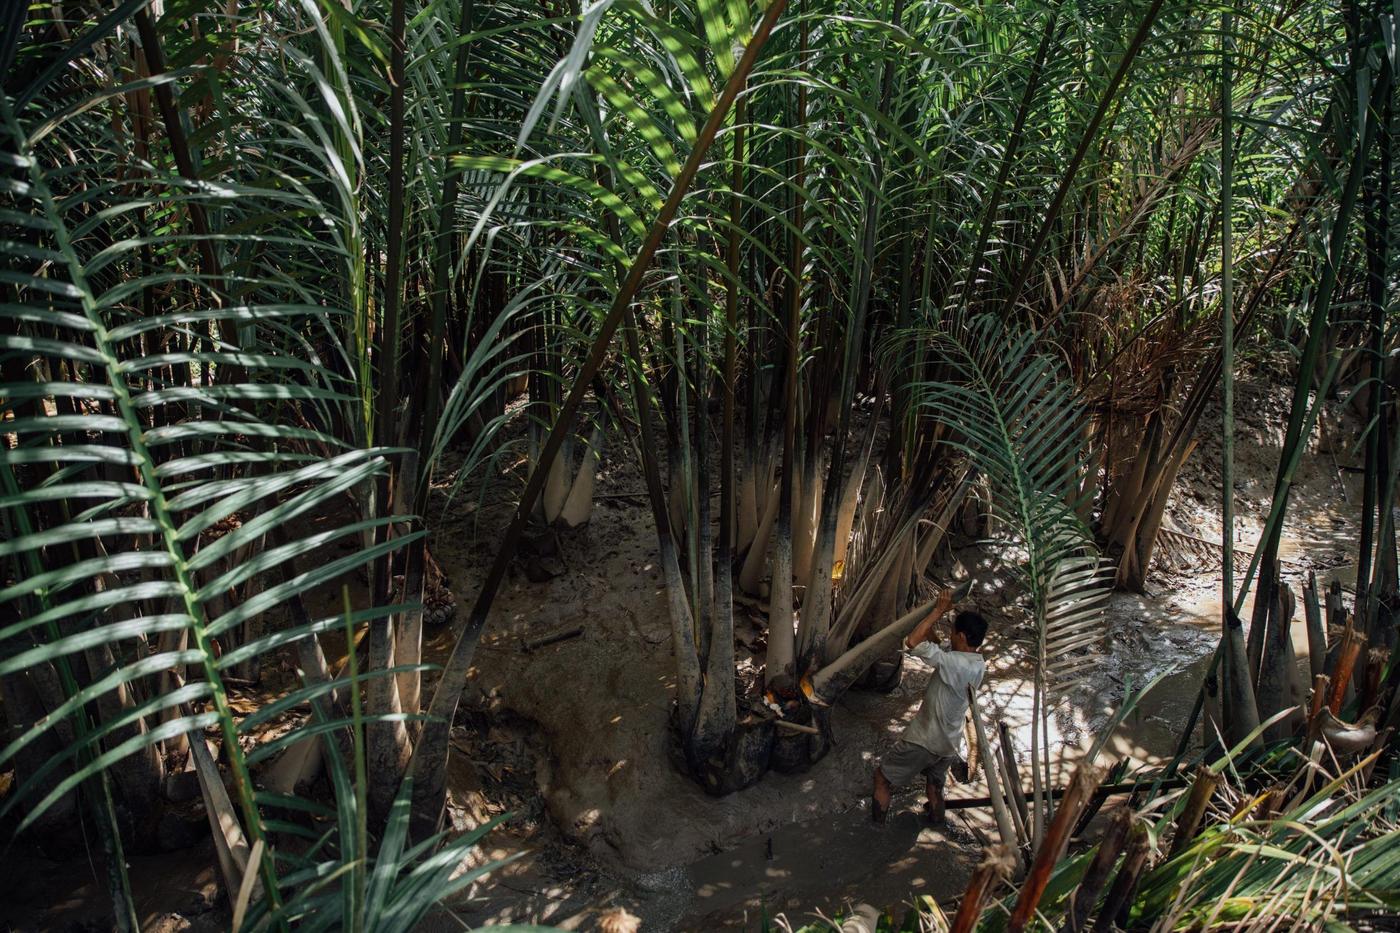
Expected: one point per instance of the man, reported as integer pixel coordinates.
(933, 740)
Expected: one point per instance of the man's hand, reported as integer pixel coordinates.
(942, 615)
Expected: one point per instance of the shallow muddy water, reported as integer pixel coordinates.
(1187, 632)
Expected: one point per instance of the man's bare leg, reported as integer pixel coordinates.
(935, 807)
(880, 796)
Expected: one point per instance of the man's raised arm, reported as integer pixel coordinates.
(925, 629)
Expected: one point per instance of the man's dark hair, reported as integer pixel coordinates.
(972, 626)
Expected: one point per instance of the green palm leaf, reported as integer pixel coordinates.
(111, 510)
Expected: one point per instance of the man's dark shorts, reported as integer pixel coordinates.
(906, 761)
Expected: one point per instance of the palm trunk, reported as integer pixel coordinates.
(1086, 779)
(703, 572)
(1378, 208)
(1097, 874)
(556, 487)
(874, 598)
(1383, 586)
(138, 777)
(408, 634)
(426, 413)
(1132, 571)
(718, 704)
(747, 515)
(1279, 688)
(1000, 810)
(1124, 467)
(756, 561)
(1236, 686)
(1040, 789)
(1227, 319)
(850, 496)
(24, 702)
(389, 747)
(1298, 418)
(578, 507)
(779, 664)
(779, 674)
(808, 496)
(1135, 495)
(833, 679)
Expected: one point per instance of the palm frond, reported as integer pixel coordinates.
(1020, 422)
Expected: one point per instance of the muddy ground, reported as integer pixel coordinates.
(573, 739)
